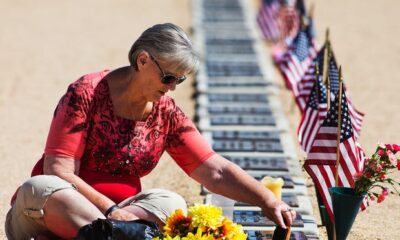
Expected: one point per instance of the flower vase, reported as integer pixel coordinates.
(346, 205)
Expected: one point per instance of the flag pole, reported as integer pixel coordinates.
(339, 126)
(339, 129)
(325, 70)
(317, 80)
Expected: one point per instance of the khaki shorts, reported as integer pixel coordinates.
(25, 219)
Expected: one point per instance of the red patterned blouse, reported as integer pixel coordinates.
(116, 152)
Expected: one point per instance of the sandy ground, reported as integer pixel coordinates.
(45, 45)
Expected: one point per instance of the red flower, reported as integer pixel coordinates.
(382, 177)
(381, 197)
(385, 192)
(381, 152)
(393, 147)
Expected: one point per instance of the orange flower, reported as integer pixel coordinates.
(177, 224)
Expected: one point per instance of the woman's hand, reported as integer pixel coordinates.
(122, 215)
(280, 213)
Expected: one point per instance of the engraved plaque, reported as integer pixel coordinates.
(255, 218)
(274, 163)
(247, 135)
(247, 146)
(267, 235)
(231, 97)
(288, 198)
(242, 120)
(240, 109)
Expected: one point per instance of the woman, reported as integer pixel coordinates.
(109, 130)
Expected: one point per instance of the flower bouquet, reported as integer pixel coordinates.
(375, 173)
(203, 222)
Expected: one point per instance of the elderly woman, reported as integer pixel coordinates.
(109, 130)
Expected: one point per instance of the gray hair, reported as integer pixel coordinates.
(166, 42)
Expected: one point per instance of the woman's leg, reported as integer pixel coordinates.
(66, 211)
(154, 205)
(48, 205)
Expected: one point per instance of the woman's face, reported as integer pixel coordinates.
(160, 80)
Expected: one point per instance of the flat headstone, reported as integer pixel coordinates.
(239, 80)
(256, 218)
(230, 49)
(246, 146)
(242, 120)
(267, 235)
(230, 97)
(229, 42)
(287, 178)
(274, 163)
(247, 135)
(240, 109)
(288, 198)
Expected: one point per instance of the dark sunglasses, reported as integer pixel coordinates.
(168, 79)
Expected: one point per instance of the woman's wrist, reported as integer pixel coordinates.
(111, 209)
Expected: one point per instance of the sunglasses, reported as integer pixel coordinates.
(166, 78)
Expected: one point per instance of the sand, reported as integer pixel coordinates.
(45, 45)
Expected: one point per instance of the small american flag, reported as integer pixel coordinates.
(321, 159)
(313, 116)
(267, 19)
(296, 60)
(288, 21)
(356, 116)
(306, 83)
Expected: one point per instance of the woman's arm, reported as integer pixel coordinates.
(225, 178)
(68, 169)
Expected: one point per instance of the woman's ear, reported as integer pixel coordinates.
(142, 59)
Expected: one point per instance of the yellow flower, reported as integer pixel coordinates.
(177, 224)
(198, 236)
(229, 231)
(205, 216)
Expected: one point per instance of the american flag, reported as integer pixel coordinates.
(267, 19)
(356, 116)
(288, 20)
(321, 159)
(296, 60)
(313, 116)
(306, 83)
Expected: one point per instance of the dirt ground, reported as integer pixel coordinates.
(45, 45)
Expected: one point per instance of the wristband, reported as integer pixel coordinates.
(111, 209)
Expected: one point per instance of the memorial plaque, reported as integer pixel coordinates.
(242, 120)
(231, 97)
(289, 198)
(256, 218)
(288, 180)
(240, 109)
(273, 163)
(267, 235)
(233, 69)
(224, 3)
(273, 136)
(229, 42)
(242, 81)
(247, 146)
(230, 49)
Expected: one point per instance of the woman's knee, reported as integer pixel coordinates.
(160, 202)
(34, 193)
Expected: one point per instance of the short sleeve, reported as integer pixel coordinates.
(68, 129)
(185, 144)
